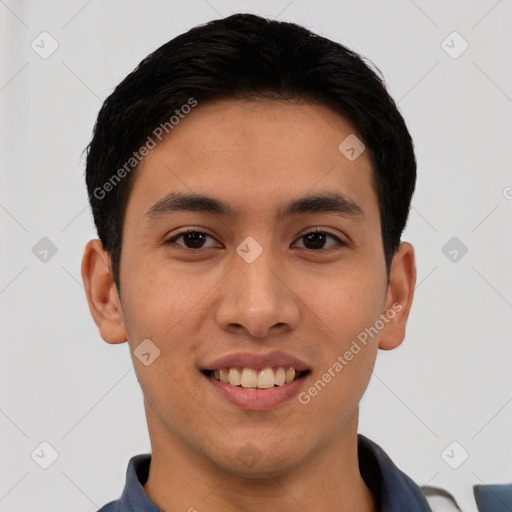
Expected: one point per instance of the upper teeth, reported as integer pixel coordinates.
(249, 378)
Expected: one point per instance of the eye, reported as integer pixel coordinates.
(192, 238)
(316, 239)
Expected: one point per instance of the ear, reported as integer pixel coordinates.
(102, 296)
(402, 280)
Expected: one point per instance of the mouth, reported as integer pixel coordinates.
(250, 378)
(256, 382)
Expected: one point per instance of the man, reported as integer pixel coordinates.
(250, 182)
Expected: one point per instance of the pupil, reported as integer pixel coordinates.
(196, 239)
(317, 239)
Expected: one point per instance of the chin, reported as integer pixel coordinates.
(258, 459)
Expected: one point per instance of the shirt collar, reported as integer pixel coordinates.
(134, 497)
(393, 489)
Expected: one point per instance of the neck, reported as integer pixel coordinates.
(182, 479)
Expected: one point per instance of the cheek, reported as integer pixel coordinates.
(346, 311)
(347, 303)
(157, 297)
(169, 308)
(163, 306)
(348, 351)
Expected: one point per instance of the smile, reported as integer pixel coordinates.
(256, 381)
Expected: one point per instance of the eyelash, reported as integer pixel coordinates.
(314, 230)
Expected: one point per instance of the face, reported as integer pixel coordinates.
(266, 281)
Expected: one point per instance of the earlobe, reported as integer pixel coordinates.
(400, 293)
(102, 296)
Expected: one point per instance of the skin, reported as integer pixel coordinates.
(196, 306)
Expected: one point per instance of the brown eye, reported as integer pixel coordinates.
(316, 240)
(191, 239)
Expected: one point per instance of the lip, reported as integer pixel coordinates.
(257, 399)
(257, 362)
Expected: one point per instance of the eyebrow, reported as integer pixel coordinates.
(326, 202)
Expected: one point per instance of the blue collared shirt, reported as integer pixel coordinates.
(393, 490)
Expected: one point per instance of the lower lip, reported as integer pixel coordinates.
(257, 399)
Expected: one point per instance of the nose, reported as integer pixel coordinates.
(256, 300)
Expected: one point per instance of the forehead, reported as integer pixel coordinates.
(254, 152)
